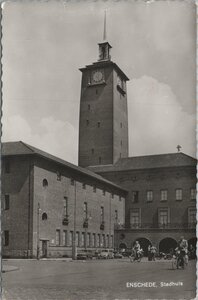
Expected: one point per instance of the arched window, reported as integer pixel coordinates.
(44, 216)
(45, 183)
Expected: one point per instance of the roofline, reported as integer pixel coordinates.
(103, 180)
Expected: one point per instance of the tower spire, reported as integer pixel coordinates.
(105, 27)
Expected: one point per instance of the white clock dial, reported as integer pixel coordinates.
(97, 76)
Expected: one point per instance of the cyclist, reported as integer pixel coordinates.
(182, 250)
(137, 250)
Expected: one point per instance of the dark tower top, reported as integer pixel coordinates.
(103, 126)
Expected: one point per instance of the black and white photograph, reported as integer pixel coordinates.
(98, 150)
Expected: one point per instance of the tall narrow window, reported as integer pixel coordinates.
(163, 217)
(65, 206)
(85, 210)
(98, 240)
(135, 196)
(77, 239)
(193, 194)
(83, 239)
(7, 202)
(149, 196)
(102, 214)
(88, 239)
(98, 124)
(6, 238)
(45, 182)
(70, 238)
(191, 216)
(89, 107)
(87, 122)
(164, 195)
(135, 218)
(64, 237)
(100, 160)
(72, 181)
(92, 151)
(116, 216)
(94, 240)
(58, 237)
(178, 194)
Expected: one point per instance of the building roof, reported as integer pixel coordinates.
(21, 148)
(148, 162)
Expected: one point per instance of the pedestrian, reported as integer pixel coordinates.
(149, 252)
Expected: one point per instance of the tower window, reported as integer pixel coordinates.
(100, 160)
(87, 122)
(121, 125)
(92, 151)
(7, 202)
(98, 124)
(6, 238)
(89, 107)
(44, 216)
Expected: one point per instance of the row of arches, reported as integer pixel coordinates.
(164, 245)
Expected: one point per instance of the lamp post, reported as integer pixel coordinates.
(38, 231)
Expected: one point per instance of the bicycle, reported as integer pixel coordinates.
(179, 260)
(136, 256)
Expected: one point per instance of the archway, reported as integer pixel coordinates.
(167, 244)
(144, 243)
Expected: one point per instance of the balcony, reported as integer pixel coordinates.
(139, 226)
(85, 223)
(65, 220)
(102, 225)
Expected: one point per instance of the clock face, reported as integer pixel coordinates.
(97, 76)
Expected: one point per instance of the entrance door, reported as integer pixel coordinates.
(44, 248)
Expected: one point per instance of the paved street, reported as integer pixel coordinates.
(97, 279)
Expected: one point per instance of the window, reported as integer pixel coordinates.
(94, 240)
(135, 218)
(178, 194)
(163, 217)
(77, 239)
(121, 125)
(107, 244)
(44, 216)
(92, 151)
(89, 107)
(98, 124)
(7, 202)
(83, 239)
(87, 122)
(111, 245)
(6, 238)
(116, 217)
(193, 193)
(94, 188)
(58, 237)
(98, 240)
(102, 214)
(7, 167)
(70, 238)
(85, 210)
(103, 241)
(135, 196)
(103, 192)
(164, 195)
(45, 182)
(120, 198)
(149, 196)
(100, 160)
(72, 181)
(84, 186)
(88, 239)
(64, 237)
(65, 206)
(192, 216)
(58, 176)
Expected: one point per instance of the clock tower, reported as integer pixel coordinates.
(103, 126)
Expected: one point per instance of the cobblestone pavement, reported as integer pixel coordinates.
(99, 280)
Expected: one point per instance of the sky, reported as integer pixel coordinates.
(45, 44)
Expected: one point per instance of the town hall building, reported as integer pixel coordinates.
(54, 208)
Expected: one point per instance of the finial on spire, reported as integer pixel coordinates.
(105, 24)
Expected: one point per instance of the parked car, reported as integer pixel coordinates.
(106, 254)
(85, 254)
(118, 255)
